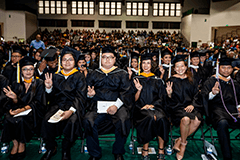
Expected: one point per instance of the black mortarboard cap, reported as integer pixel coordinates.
(49, 54)
(19, 50)
(108, 50)
(27, 61)
(146, 56)
(134, 55)
(194, 54)
(225, 61)
(166, 52)
(81, 57)
(178, 58)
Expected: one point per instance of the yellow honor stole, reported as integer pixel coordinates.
(109, 70)
(70, 73)
(147, 74)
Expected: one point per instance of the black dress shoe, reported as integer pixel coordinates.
(12, 156)
(94, 158)
(66, 156)
(118, 157)
(49, 154)
(21, 155)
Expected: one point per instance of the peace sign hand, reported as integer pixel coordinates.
(48, 80)
(169, 88)
(9, 93)
(161, 69)
(129, 71)
(137, 84)
(215, 89)
(91, 92)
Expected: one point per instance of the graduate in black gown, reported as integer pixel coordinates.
(108, 84)
(90, 64)
(3, 84)
(149, 112)
(207, 65)
(26, 93)
(199, 72)
(162, 71)
(133, 69)
(183, 109)
(67, 91)
(10, 70)
(48, 64)
(82, 67)
(221, 96)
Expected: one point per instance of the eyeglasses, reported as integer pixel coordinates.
(67, 59)
(106, 57)
(28, 69)
(16, 56)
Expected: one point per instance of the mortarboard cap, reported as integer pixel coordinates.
(26, 61)
(225, 61)
(49, 54)
(178, 58)
(194, 54)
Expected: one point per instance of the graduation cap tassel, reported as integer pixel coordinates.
(188, 60)
(160, 57)
(59, 64)
(18, 73)
(169, 71)
(130, 59)
(175, 52)
(100, 58)
(139, 70)
(217, 66)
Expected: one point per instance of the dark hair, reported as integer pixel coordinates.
(151, 65)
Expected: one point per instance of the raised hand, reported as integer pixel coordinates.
(42, 65)
(91, 92)
(215, 89)
(189, 108)
(9, 93)
(48, 80)
(129, 72)
(137, 84)
(161, 69)
(169, 88)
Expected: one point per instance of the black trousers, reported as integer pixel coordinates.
(93, 143)
(66, 127)
(224, 137)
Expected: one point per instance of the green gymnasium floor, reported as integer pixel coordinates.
(193, 151)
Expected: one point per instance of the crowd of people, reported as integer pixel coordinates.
(85, 83)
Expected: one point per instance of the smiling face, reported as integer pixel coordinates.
(27, 71)
(134, 63)
(195, 61)
(15, 57)
(87, 57)
(225, 70)
(146, 66)
(108, 60)
(68, 62)
(52, 64)
(166, 59)
(81, 64)
(180, 68)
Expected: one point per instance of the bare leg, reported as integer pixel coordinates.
(193, 125)
(184, 130)
(21, 147)
(145, 147)
(15, 147)
(161, 145)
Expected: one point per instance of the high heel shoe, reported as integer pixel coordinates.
(146, 157)
(176, 145)
(161, 156)
(178, 156)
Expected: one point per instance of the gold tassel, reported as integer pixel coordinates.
(139, 67)
(18, 73)
(59, 64)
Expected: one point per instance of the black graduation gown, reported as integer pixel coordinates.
(46, 70)
(214, 108)
(66, 93)
(184, 94)
(152, 93)
(10, 72)
(200, 76)
(22, 128)
(3, 84)
(109, 87)
(165, 75)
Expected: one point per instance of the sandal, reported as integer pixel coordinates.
(161, 156)
(176, 145)
(178, 156)
(145, 157)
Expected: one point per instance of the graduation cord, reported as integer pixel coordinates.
(235, 119)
